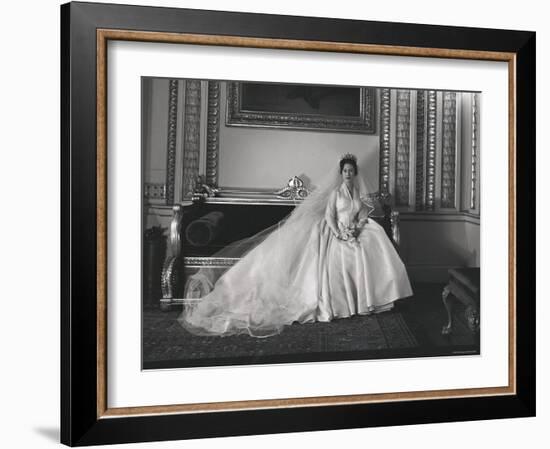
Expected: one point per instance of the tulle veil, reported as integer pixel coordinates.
(265, 290)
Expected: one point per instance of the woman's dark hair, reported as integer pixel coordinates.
(350, 161)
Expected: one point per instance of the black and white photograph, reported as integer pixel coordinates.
(288, 223)
(275, 224)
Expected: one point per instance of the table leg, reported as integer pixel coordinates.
(447, 329)
(472, 317)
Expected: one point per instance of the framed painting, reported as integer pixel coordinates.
(301, 106)
(278, 203)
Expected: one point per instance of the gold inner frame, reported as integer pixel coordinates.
(104, 35)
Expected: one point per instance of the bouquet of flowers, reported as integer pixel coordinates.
(349, 233)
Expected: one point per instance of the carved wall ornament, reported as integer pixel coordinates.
(213, 133)
(171, 142)
(384, 174)
(154, 191)
(448, 150)
(473, 187)
(420, 147)
(191, 138)
(402, 150)
(431, 148)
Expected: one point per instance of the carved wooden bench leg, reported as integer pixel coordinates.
(171, 278)
(447, 329)
(472, 317)
(170, 282)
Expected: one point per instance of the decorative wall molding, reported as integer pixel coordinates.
(420, 147)
(154, 191)
(363, 123)
(171, 142)
(431, 149)
(213, 133)
(384, 174)
(473, 187)
(191, 137)
(403, 145)
(448, 151)
(447, 216)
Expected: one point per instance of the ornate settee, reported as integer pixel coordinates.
(244, 213)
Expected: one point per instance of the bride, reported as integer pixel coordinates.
(327, 260)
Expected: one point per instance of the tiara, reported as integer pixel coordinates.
(349, 156)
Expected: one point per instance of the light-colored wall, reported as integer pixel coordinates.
(155, 132)
(431, 245)
(259, 158)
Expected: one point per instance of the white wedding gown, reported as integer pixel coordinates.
(302, 273)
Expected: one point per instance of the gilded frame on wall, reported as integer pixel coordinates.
(361, 121)
(86, 417)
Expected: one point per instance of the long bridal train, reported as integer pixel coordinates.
(303, 271)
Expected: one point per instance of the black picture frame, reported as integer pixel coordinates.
(83, 421)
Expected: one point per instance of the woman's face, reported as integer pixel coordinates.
(348, 172)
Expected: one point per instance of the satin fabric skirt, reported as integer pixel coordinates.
(362, 276)
(301, 275)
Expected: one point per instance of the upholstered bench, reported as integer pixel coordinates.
(464, 286)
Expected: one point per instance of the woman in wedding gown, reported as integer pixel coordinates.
(327, 260)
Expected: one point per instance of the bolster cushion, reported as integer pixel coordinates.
(204, 230)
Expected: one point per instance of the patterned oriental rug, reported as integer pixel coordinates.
(167, 345)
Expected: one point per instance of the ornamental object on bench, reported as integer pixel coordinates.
(294, 190)
(203, 190)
